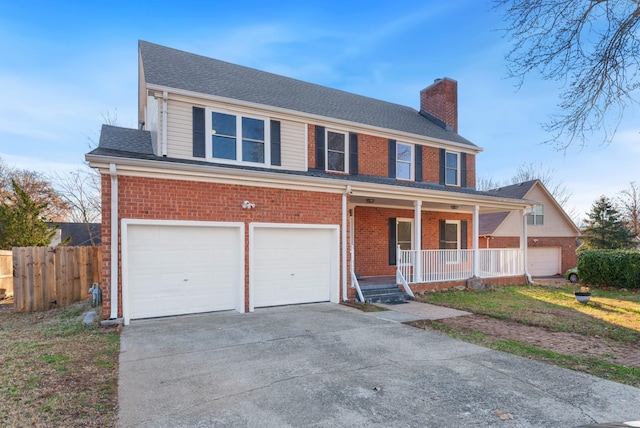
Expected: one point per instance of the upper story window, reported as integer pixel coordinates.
(452, 169)
(537, 215)
(238, 138)
(404, 161)
(337, 151)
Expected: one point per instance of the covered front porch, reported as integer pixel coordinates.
(429, 242)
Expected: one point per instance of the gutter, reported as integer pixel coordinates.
(165, 97)
(114, 241)
(266, 178)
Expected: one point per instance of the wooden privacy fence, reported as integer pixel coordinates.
(6, 273)
(48, 277)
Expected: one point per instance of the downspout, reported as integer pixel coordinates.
(165, 95)
(344, 242)
(114, 241)
(523, 246)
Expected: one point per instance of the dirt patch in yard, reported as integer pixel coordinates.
(573, 344)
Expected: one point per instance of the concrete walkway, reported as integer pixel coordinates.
(328, 365)
(414, 311)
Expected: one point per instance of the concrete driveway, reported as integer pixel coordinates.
(327, 365)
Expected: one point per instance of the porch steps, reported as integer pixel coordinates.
(383, 293)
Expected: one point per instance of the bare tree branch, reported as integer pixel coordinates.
(590, 46)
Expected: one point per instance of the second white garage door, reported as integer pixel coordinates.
(174, 268)
(544, 261)
(293, 264)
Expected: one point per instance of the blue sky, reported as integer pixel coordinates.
(65, 65)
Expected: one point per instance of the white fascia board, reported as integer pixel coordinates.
(210, 173)
(389, 133)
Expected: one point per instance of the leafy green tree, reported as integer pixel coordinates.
(604, 228)
(21, 221)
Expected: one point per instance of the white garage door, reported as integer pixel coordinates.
(181, 269)
(293, 265)
(544, 261)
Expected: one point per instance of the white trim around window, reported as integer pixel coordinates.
(336, 157)
(458, 241)
(237, 136)
(405, 161)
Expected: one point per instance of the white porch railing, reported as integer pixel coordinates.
(420, 266)
(497, 262)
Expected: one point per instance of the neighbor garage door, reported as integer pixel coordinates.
(292, 265)
(180, 269)
(544, 261)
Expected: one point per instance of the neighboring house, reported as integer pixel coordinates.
(78, 234)
(551, 234)
(245, 189)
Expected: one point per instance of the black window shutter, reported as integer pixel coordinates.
(393, 242)
(418, 172)
(463, 235)
(275, 143)
(443, 225)
(463, 169)
(199, 138)
(320, 147)
(353, 154)
(443, 160)
(392, 159)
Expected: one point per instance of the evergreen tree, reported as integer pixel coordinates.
(604, 227)
(21, 221)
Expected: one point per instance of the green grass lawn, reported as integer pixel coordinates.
(611, 315)
(56, 372)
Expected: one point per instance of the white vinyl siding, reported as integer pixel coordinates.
(152, 120)
(180, 131)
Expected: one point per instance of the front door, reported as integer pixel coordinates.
(404, 233)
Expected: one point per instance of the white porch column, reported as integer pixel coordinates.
(417, 240)
(524, 245)
(474, 240)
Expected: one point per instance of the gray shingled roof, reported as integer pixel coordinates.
(125, 139)
(516, 191)
(182, 70)
(488, 223)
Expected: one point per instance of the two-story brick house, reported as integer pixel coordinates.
(245, 189)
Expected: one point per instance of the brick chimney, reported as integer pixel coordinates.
(440, 102)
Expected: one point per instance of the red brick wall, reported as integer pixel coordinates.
(434, 286)
(373, 155)
(163, 199)
(371, 235)
(373, 158)
(441, 100)
(311, 135)
(431, 164)
(471, 170)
